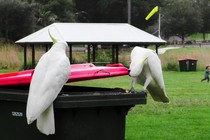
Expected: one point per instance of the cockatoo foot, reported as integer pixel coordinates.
(132, 91)
(142, 92)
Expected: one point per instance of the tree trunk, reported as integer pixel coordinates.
(204, 37)
(182, 39)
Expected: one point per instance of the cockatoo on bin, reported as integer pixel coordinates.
(145, 69)
(49, 76)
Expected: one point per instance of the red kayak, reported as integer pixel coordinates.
(79, 72)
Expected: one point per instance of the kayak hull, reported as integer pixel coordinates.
(79, 72)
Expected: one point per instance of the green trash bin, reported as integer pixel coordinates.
(192, 64)
(81, 113)
(183, 64)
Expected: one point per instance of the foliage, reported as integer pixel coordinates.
(54, 11)
(44, 17)
(204, 6)
(9, 58)
(28, 66)
(198, 36)
(181, 18)
(171, 66)
(115, 11)
(17, 20)
(104, 55)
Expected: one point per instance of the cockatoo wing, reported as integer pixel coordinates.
(157, 93)
(48, 79)
(156, 86)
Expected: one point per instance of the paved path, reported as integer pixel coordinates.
(163, 50)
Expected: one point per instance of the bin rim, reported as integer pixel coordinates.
(182, 59)
(193, 59)
(186, 59)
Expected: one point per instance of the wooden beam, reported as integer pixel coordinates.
(33, 55)
(25, 56)
(94, 53)
(70, 54)
(156, 48)
(113, 53)
(89, 53)
(46, 47)
(117, 52)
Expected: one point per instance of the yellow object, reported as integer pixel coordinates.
(53, 39)
(154, 10)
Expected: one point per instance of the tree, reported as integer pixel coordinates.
(204, 6)
(17, 20)
(115, 11)
(54, 10)
(181, 18)
(64, 9)
(44, 17)
(99, 11)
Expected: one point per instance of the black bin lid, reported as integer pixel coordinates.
(77, 96)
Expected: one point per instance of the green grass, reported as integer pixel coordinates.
(187, 116)
(198, 36)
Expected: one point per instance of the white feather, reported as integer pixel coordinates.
(49, 76)
(145, 69)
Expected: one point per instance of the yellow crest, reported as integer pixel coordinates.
(53, 39)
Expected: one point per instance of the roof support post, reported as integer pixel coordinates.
(70, 53)
(113, 53)
(156, 48)
(46, 47)
(117, 52)
(94, 53)
(33, 55)
(25, 56)
(88, 53)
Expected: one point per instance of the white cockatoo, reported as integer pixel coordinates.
(49, 76)
(145, 69)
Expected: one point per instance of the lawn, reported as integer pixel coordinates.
(187, 116)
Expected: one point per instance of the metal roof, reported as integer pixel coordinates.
(89, 33)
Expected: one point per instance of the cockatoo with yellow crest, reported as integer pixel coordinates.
(49, 76)
(145, 69)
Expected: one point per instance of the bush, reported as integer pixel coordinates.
(104, 55)
(28, 66)
(171, 66)
(9, 57)
(17, 20)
